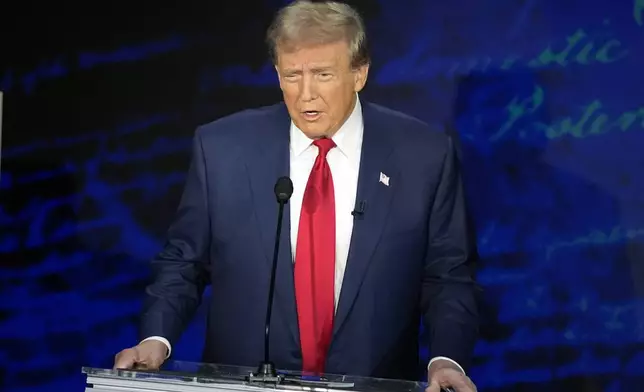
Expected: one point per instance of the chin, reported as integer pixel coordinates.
(315, 132)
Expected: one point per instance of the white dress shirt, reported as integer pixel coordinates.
(344, 162)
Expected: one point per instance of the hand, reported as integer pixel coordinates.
(443, 374)
(147, 355)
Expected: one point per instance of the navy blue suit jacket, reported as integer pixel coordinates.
(408, 256)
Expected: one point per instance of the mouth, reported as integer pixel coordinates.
(311, 114)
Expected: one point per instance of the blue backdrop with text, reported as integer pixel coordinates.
(546, 98)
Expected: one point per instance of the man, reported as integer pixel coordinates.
(351, 287)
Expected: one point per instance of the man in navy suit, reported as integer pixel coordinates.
(376, 236)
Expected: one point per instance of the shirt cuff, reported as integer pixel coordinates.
(445, 359)
(164, 341)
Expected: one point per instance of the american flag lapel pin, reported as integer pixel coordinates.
(384, 179)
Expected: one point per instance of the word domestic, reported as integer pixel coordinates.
(579, 48)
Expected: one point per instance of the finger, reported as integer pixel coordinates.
(462, 383)
(152, 363)
(149, 361)
(459, 383)
(434, 386)
(140, 366)
(158, 362)
(125, 359)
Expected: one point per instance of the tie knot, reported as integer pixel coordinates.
(325, 145)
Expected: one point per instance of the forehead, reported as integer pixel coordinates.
(334, 54)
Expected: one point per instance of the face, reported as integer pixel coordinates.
(319, 87)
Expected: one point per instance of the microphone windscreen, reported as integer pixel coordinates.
(283, 189)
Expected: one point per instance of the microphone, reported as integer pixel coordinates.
(358, 210)
(283, 191)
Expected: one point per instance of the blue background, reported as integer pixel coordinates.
(546, 97)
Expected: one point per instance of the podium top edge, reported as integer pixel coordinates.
(205, 373)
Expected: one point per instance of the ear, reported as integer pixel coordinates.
(360, 77)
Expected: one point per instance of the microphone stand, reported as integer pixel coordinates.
(267, 368)
(266, 372)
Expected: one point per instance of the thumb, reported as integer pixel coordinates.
(434, 386)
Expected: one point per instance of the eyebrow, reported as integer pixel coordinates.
(298, 71)
(321, 69)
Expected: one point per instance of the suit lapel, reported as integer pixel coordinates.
(377, 148)
(271, 162)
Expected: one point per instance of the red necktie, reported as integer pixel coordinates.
(315, 263)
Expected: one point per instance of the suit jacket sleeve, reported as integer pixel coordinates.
(180, 270)
(449, 291)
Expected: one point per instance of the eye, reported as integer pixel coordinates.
(325, 75)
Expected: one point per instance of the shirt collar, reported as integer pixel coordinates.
(348, 139)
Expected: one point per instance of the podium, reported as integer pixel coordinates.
(178, 376)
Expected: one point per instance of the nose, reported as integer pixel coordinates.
(308, 89)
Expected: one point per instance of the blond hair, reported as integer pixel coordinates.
(304, 23)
